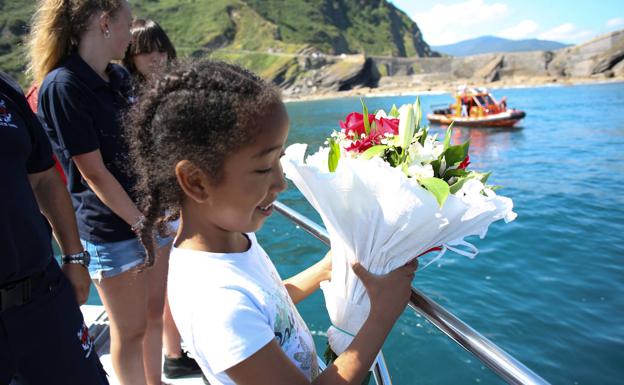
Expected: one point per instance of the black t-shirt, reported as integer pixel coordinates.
(25, 238)
(83, 114)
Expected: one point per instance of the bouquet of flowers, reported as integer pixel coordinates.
(389, 191)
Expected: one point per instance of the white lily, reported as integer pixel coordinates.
(425, 154)
(437, 148)
(418, 171)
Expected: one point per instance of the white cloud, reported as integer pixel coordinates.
(567, 33)
(522, 30)
(448, 23)
(615, 23)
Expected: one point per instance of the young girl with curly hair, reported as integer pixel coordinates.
(206, 139)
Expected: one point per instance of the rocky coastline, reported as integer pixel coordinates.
(321, 76)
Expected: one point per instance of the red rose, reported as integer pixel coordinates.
(353, 127)
(355, 123)
(362, 145)
(387, 125)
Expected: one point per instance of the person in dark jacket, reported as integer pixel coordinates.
(43, 338)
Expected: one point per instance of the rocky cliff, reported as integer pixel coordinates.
(599, 58)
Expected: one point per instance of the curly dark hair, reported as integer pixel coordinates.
(200, 111)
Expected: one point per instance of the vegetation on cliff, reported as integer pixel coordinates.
(264, 35)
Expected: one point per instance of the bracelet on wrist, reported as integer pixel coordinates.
(82, 258)
(138, 224)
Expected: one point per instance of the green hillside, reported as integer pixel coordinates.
(14, 19)
(375, 27)
(264, 35)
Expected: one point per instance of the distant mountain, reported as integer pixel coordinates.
(491, 44)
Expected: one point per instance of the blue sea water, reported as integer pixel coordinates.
(549, 287)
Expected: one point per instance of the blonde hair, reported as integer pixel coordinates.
(57, 26)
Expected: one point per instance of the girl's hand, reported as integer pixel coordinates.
(388, 293)
(326, 266)
(305, 283)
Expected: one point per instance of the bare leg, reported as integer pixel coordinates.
(171, 335)
(156, 287)
(124, 297)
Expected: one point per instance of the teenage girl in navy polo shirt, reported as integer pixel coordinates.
(82, 96)
(43, 338)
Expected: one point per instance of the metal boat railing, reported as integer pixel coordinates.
(500, 362)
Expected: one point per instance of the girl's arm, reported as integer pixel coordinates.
(300, 286)
(106, 187)
(388, 294)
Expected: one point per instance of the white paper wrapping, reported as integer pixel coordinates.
(377, 216)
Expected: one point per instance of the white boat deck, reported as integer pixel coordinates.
(97, 321)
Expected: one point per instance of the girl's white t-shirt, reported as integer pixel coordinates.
(228, 306)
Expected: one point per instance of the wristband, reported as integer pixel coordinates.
(83, 258)
(138, 224)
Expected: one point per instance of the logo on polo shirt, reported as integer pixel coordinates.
(5, 116)
(85, 339)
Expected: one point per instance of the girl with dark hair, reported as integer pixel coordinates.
(206, 139)
(148, 53)
(149, 50)
(81, 97)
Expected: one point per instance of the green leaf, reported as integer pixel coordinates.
(423, 136)
(447, 137)
(405, 169)
(436, 167)
(437, 187)
(392, 156)
(455, 187)
(373, 127)
(480, 176)
(374, 151)
(417, 113)
(449, 173)
(483, 177)
(394, 112)
(456, 154)
(367, 126)
(334, 155)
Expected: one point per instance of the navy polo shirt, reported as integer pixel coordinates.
(83, 114)
(25, 238)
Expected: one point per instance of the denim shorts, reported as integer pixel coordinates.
(113, 258)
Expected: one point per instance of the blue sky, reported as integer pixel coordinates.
(566, 21)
